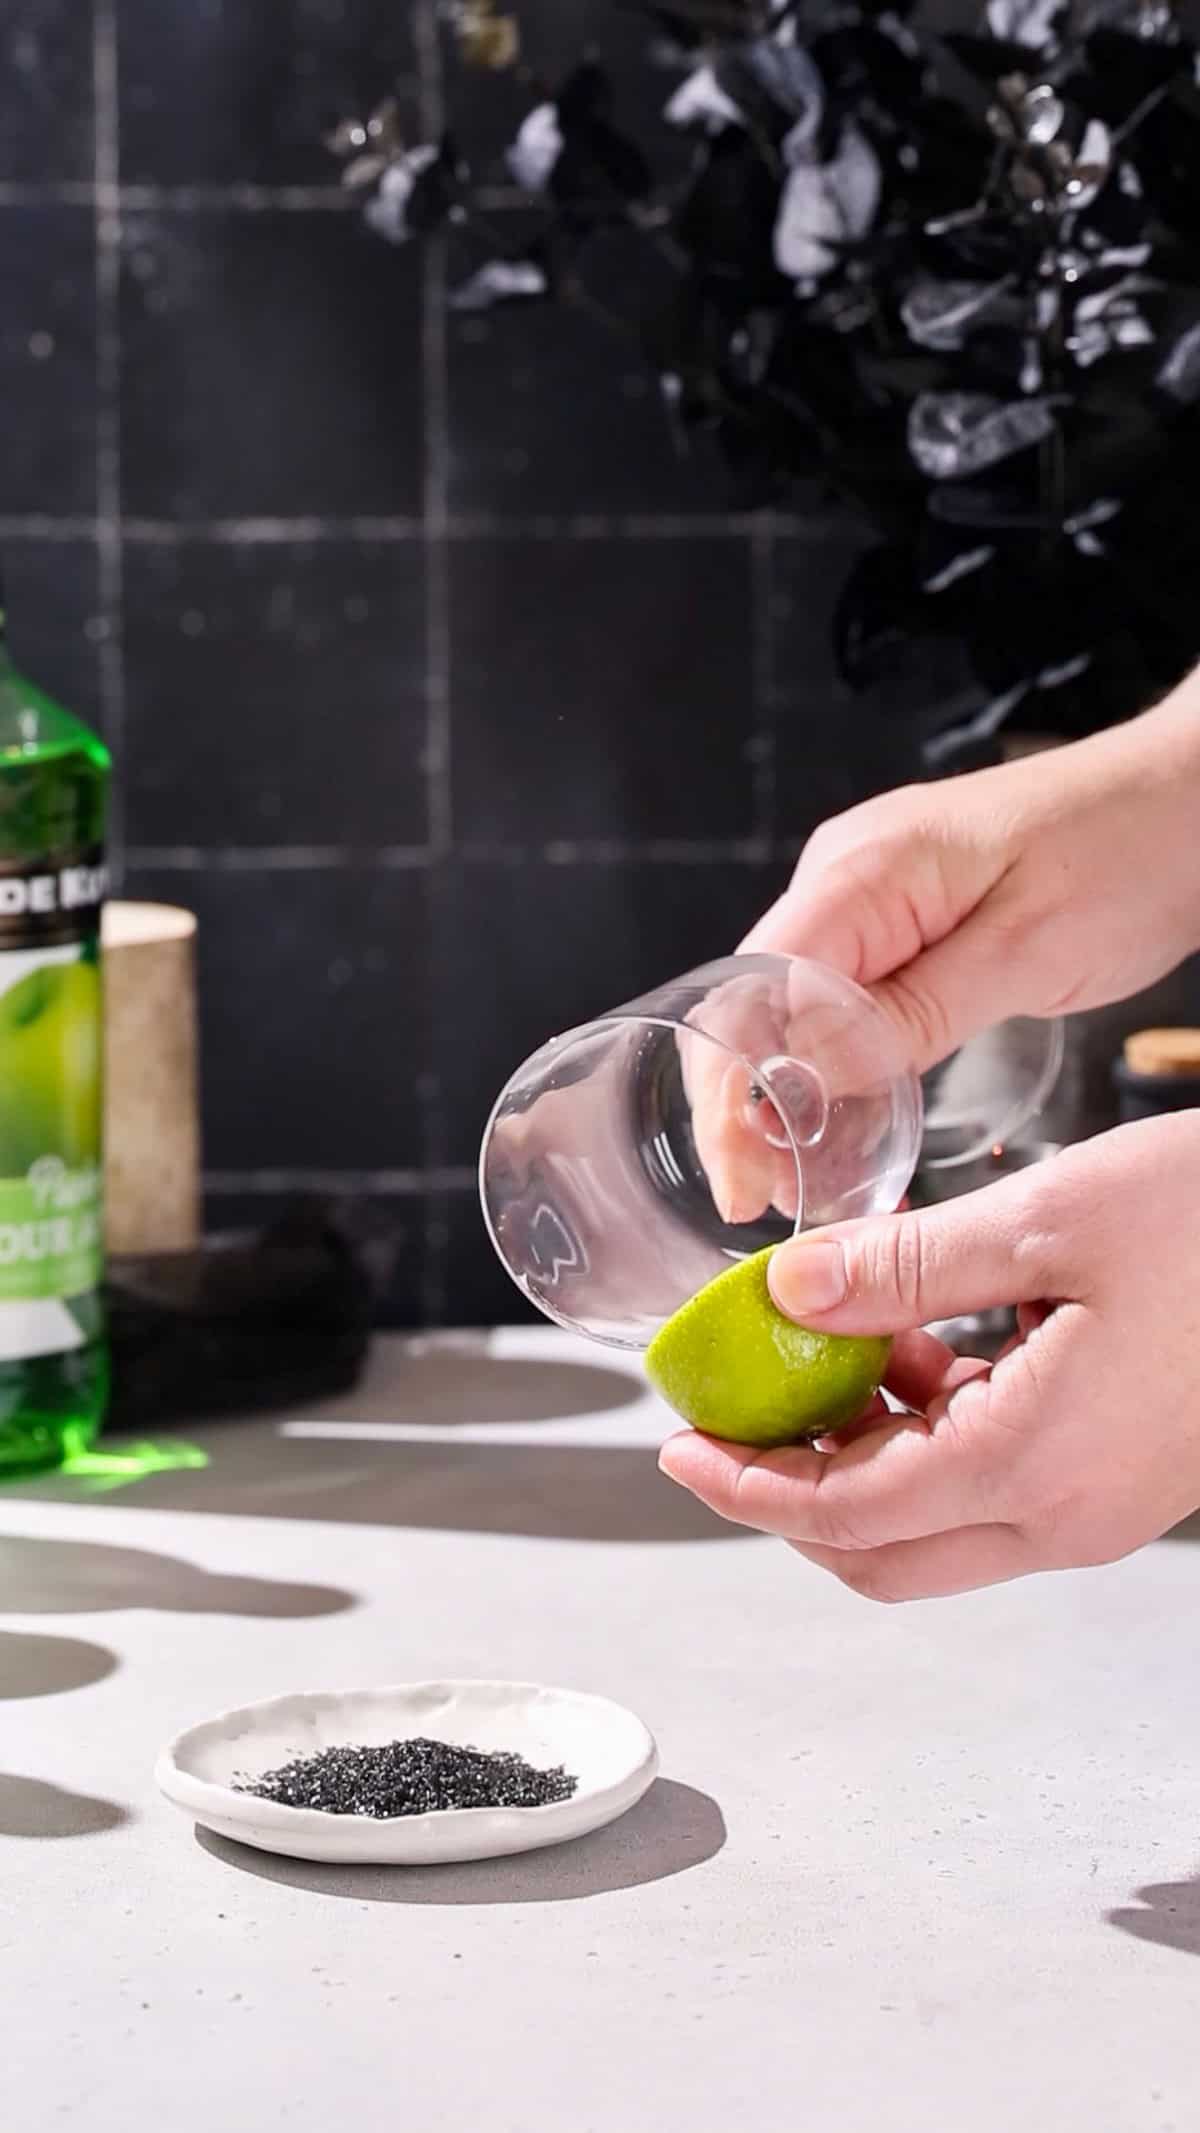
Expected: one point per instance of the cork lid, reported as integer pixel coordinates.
(1163, 1052)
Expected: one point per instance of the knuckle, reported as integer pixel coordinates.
(1049, 1196)
(1039, 1240)
(893, 1265)
(924, 1013)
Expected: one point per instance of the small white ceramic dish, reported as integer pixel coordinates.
(609, 1750)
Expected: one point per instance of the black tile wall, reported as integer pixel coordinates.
(593, 681)
(454, 703)
(568, 419)
(56, 630)
(48, 360)
(525, 948)
(45, 91)
(244, 95)
(275, 694)
(314, 998)
(220, 417)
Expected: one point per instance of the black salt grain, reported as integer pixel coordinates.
(409, 1777)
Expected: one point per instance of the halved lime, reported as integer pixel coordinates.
(735, 1367)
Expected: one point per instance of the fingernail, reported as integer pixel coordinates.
(805, 1278)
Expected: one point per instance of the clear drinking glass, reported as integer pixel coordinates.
(630, 1161)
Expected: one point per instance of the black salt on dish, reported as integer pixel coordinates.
(409, 1777)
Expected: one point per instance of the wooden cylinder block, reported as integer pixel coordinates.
(151, 1101)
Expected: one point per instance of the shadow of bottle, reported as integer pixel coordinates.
(29, 1807)
(50, 1666)
(58, 1577)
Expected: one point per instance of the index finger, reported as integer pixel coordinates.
(922, 1369)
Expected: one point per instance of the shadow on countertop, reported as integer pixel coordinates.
(551, 1492)
(1166, 1913)
(452, 1378)
(49, 1666)
(29, 1807)
(675, 1828)
(59, 1577)
(431, 1480)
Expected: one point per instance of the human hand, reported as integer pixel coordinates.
(1080, 1444)
(1038, 888)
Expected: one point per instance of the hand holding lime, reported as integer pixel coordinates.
(733, 1366)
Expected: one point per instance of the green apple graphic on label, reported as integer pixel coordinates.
(50, 1068)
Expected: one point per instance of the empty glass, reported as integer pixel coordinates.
(631, 1160)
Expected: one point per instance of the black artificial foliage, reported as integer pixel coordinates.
(775, 86)
(601, 170)
(693, 22)
(989, 59)
(436, 190)
(724, 223)
(956, 277)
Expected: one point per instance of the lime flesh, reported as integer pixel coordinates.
(735, 1367)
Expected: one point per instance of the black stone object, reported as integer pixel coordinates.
(243, 1325)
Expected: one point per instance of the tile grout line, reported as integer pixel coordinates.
(439, 813)
(435, 390)
(275, 858)
(762, 586)
(417, 858)
(178, 199)
(377, 1184)
(107, 223)
(457, 526)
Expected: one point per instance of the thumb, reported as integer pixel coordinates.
(891, 1273)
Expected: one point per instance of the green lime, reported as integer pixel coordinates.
(733, 1366)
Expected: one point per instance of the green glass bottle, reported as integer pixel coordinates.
(53, 1353)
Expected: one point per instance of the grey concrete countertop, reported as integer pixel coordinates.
(906, 1869)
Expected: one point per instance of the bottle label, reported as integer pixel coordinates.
(51, 1039)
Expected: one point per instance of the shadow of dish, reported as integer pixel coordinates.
(50, 1666)
(29, 1807)
(548, 1492)
(672, 1830)
(56, 1577)
(1187, 1530)
(1166, 1913)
